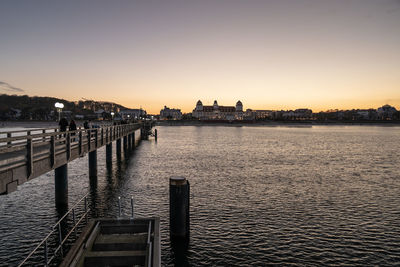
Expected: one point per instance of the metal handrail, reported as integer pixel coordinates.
(57, 227)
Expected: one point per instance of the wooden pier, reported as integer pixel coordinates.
(25, 155)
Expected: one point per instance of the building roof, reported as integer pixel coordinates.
(220, 109)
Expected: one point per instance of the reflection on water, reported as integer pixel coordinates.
(259, 195)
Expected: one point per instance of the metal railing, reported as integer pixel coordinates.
(56, 230)
(149, 246)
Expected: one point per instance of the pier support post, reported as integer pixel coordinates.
(118, 143)
(125, 144)
(129, 142)
(61, 185)
(109, 154)
(133, 141)
(179, 191)
(93, 164)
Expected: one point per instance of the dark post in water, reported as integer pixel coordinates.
(109, 154)
(179, 192)
(118, 143)
(93, 164)
(133, 141)
(61, 185)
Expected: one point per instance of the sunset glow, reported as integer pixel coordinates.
(268, 54)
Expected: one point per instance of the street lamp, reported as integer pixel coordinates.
(112, 115)
(59, 106)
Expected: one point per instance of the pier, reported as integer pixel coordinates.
(27, 154)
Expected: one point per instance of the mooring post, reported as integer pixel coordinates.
(61, 185)
(155, 134)
(179, 219)
(93, 164)
(109, 154)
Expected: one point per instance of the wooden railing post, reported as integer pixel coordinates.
(80, 143)
(102, 136)
(52, 151)
(89, 133)
(96, 134)
(68, 144)
(44, 137)
(9, 136)
(29, 149)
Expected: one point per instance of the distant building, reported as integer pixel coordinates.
(257, 114)
(303, 113)
(132, 113)
(170, 114)
(216, 112)
(386, 112)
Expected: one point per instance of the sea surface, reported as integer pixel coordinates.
(300, 196)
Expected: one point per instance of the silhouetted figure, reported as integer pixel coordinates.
(86, 125)
(72, 127)
(63, 123)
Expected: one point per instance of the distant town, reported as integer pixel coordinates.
(14, 108)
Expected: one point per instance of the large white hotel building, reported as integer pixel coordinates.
(216, 112)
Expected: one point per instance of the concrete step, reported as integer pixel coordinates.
(114, 258)
(123, 229)
(122, 242)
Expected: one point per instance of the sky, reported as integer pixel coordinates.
(268, 54)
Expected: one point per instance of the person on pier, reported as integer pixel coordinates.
(63, 123)
(72, 127)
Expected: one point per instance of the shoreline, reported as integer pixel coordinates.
(278, 123)
(54, 124)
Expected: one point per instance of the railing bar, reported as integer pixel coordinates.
(149, 233)
(119, 206)
(37, 247)
(60, 236)
(72, 229)
(150, 254)
(132, 206)
(45, 254)
(86, 209)
(69, 211)
(73, 218)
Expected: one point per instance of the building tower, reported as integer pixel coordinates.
(199, 106)
(239, 106)
(215, 105)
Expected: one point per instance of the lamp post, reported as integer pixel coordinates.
(59, 106)
(112, 116)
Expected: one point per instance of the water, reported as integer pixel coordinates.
(317, 196)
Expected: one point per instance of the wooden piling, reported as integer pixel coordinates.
(61, 185)
(179, 218)
(93, 164)
(109, 154)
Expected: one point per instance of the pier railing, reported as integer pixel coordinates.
(27, 154)
(56, 234)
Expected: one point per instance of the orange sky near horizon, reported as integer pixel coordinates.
(268, 54)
